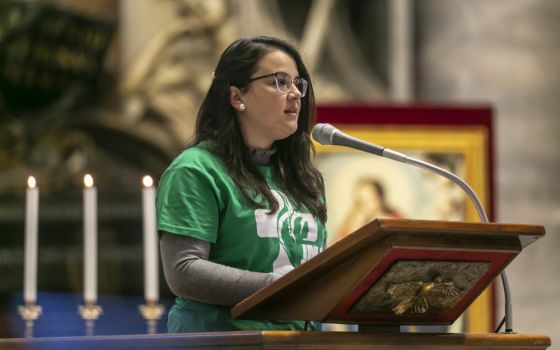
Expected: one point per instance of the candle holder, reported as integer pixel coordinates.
(90, 312)
(152, 312)
(30, 312)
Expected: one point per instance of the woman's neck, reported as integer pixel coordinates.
(261, 157)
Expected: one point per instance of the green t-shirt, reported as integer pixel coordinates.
(197, 198)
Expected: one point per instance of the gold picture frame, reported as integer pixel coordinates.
(405, 191)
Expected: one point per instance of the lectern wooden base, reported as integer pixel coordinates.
(286, 340)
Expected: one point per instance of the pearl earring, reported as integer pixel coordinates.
(242, 107)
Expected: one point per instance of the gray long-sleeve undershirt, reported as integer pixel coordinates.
(189, 273)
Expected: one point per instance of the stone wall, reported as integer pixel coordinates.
(507, 53)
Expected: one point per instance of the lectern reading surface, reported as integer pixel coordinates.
(394, 272)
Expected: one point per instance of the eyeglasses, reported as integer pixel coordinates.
(284, 82)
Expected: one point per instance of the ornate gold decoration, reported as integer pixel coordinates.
(152, 312)
(30, 312)
(421, 287)
(416, 297)
(90, 312)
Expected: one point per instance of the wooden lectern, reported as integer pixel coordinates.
(395, 272)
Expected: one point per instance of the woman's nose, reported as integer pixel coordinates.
(294, 91)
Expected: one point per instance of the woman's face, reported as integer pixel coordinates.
(269, 114)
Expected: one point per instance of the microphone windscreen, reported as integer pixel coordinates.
(323, 133)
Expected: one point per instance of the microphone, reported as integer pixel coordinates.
(326, 134)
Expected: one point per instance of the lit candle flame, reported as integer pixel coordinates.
(147, 181)
(31, 182)
(88, 180)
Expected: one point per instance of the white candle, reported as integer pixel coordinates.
(90, 240)
(151, 278)
(31, 221)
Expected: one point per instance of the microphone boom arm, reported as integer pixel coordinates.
(327, 134)
(387, 153)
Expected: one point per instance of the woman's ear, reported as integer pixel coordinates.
(235, 99)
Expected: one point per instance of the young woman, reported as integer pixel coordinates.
(243, 204)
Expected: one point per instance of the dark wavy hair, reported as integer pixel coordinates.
(216, 120)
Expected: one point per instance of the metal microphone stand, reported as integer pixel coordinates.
(479, 208)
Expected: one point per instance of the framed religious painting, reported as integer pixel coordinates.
(361, 187)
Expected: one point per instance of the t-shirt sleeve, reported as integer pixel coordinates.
(187, 204)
